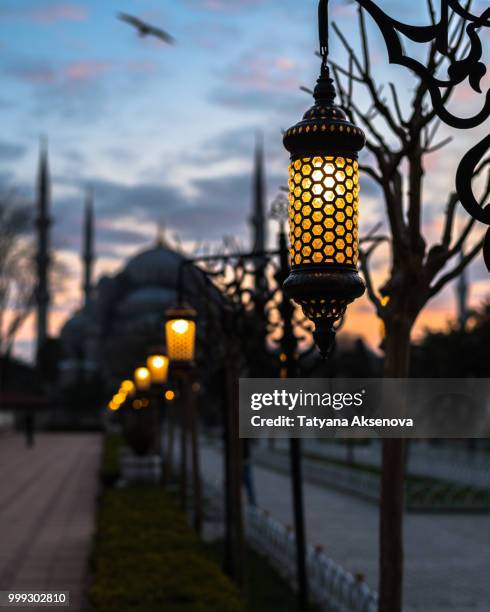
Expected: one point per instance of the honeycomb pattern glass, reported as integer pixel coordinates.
(180, 335)
(324, 211)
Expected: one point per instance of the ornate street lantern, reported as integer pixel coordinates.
(158, 366)
(324, 212)
(180, 332)
(142, 379)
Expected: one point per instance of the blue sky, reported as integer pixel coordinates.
(165, 134)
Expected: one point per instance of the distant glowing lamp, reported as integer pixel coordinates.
(158, 367)
(113, 407)
(127, 386)
(119, 398)
(180, 332)
(169, 395)
(324, 212)
(142, 379)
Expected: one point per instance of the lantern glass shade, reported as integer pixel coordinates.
(324, 211)
(142, 379)
(158, 366)
(181, 338)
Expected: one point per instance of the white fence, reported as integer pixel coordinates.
(331, 586)
(453, 464)
(445, 495)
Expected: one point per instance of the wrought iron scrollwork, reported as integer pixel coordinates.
(464, 175)
(470, 67)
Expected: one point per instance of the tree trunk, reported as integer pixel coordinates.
(392, 481)
(236, 568)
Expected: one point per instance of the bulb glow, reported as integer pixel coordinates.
(180, 326)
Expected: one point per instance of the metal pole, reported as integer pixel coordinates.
(289, 348)
(183, 448)
(196, 475)
(227, 397)
(236, 560)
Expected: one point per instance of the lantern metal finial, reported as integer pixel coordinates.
(324, 212)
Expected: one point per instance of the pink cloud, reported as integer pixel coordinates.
(85, 70)
(35, 74)
(48, 14)
(53, 13)
(265, 74)
(142, 67)
(226, 5)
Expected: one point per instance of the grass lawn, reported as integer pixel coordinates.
(267, 591)
(420, 490)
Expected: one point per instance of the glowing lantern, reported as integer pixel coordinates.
(142, 379)
(158, 366)
(169, 395)
(127, 386)
(324, 212)
(180, 332)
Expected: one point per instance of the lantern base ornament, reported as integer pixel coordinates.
(324, 295)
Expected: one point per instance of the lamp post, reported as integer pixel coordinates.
(142, 379)
(158, 368)
(180, 334)
(234, 562)
(158, 365)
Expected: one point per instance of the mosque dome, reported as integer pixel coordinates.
(75, 329)
(147, 299)
(157, 266)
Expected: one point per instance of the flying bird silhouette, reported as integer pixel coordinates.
(145, 29)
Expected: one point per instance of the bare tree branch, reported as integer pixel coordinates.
(456, 271)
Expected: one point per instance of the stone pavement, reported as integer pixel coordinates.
(47, 511)
(447, 557)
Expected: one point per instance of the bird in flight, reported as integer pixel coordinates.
(145, 29)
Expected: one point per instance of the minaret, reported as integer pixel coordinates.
(88, 247)
(258, 220)
(43, 223)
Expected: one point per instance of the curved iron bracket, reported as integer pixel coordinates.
(470, 67)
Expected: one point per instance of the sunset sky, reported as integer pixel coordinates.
(165, 134)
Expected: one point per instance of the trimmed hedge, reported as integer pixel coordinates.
(109, 471)
(147, 559)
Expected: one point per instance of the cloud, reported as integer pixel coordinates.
(10, 151)
(261, 80)
(86, 70)
(263, 72)
(72, 72)
(225, 5)
(49, 14)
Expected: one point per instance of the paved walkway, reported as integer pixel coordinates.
(447, 557)
(47, 503)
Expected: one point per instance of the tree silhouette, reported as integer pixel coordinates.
(398, 144)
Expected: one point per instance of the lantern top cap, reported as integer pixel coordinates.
(325, 128)
(181, 312)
